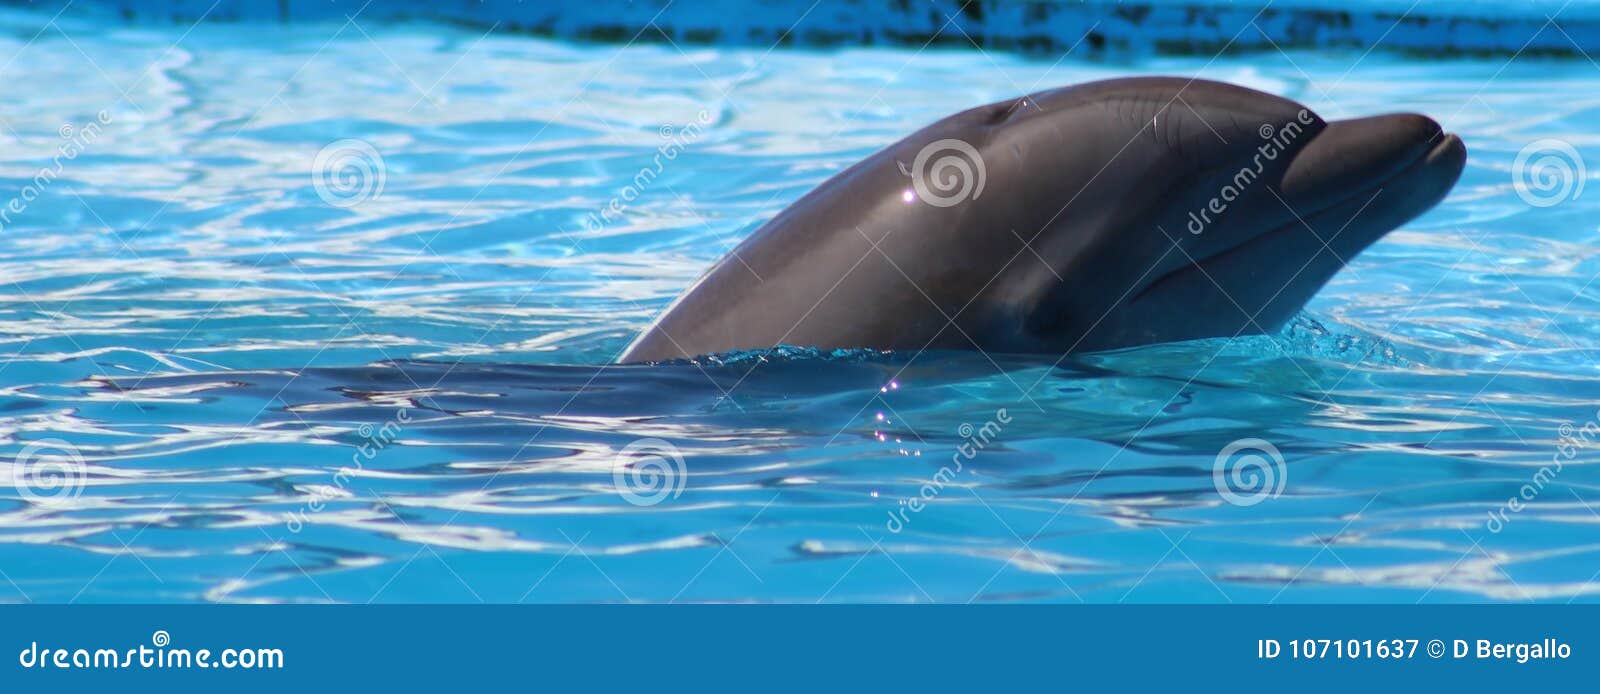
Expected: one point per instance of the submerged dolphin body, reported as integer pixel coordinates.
(1092, 217)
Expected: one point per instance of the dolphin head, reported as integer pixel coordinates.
(1212, 210)
(1092, 217)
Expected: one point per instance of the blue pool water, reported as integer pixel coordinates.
(227, 379)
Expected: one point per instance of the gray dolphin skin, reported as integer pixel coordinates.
(1092, 217)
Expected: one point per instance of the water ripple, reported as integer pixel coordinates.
(232, 389)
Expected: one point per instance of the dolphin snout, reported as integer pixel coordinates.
(1353, 182)
(1355, 155)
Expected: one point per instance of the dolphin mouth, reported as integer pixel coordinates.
(1351, 184)
(1354, 182)
(1359, 156)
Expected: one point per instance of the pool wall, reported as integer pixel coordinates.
(1054, 26)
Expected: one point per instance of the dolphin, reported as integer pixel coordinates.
(1091, 217)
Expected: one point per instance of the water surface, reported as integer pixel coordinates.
(394, 385)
